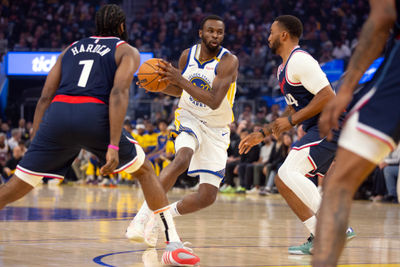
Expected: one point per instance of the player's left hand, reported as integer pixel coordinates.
(112, 160)
(329, 118)
(169, 72)
(280, 125)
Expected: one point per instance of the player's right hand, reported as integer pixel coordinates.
(112, 160)
(329, 118)
(249, 141)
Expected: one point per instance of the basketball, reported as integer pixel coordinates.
(148, 77)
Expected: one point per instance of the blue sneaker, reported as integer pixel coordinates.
(307, 247)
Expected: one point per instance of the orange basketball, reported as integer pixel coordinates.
(148, 78)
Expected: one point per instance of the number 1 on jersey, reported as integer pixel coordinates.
(87, 67)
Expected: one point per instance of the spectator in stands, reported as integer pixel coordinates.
(232, 164)
(12, 163)
(341, 50)
(246, 166)
(4, 150)
(15, 138)
(150, 138)
(23, 129)
(162, 139)
(279, 152)
(265, 153)
(5, 129)
(138, 134)
(275, 113)
(261, 115)
(80, 164)
(390, 168)
(247, 115)
(273, 83)
(128, 126)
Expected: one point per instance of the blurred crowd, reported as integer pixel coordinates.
(167, 27)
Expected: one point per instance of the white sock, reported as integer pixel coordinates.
(311, 224)
(144, 211)
(174, 209)
(167, 224)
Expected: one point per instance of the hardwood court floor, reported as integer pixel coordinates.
(84, 226)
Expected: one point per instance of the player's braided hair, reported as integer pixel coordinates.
(108, 20)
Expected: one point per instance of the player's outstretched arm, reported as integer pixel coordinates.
(128, 60)
(49, 89)
(374, 34)
(226, 74)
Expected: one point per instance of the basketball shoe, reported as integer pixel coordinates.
(307, 247)
(177, 254)
(151, 231)
(135, 230)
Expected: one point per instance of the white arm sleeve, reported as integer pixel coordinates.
(303, 68)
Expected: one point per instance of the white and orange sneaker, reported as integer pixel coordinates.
(135, 230)
(177, 254)
(151, 231)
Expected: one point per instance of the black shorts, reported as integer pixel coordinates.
(322, 152)
(378, 102)
(66, 129)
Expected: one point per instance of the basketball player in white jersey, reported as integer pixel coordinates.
(206, 84)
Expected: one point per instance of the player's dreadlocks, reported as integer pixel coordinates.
(108, 20)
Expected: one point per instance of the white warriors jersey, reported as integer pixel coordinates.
(202, 75)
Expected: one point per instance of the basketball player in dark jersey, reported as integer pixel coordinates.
(306, 90)
(83, 105)
(372, 128)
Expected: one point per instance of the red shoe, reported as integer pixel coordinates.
(176, 254)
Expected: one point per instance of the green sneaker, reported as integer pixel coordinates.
(228, 190)
(350, 234)
(307, 247)
(241, 190)
(304, 249)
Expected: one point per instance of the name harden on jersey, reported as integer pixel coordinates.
(99, 49)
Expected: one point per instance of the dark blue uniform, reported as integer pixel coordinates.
(378, 101)
(78, 116)
(322, 152)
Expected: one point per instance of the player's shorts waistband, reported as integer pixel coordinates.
(73, 99)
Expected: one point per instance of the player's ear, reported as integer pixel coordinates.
(121, 28)
(201, 33)
(284, 35)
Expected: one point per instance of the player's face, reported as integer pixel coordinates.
(212, 34)
(274, 37)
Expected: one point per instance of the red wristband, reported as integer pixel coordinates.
(113, 147)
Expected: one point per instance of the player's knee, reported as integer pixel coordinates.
(283, 173)
(207, 200)
(207, 195)
(278, 182)
(144, 171)
(182, 159)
